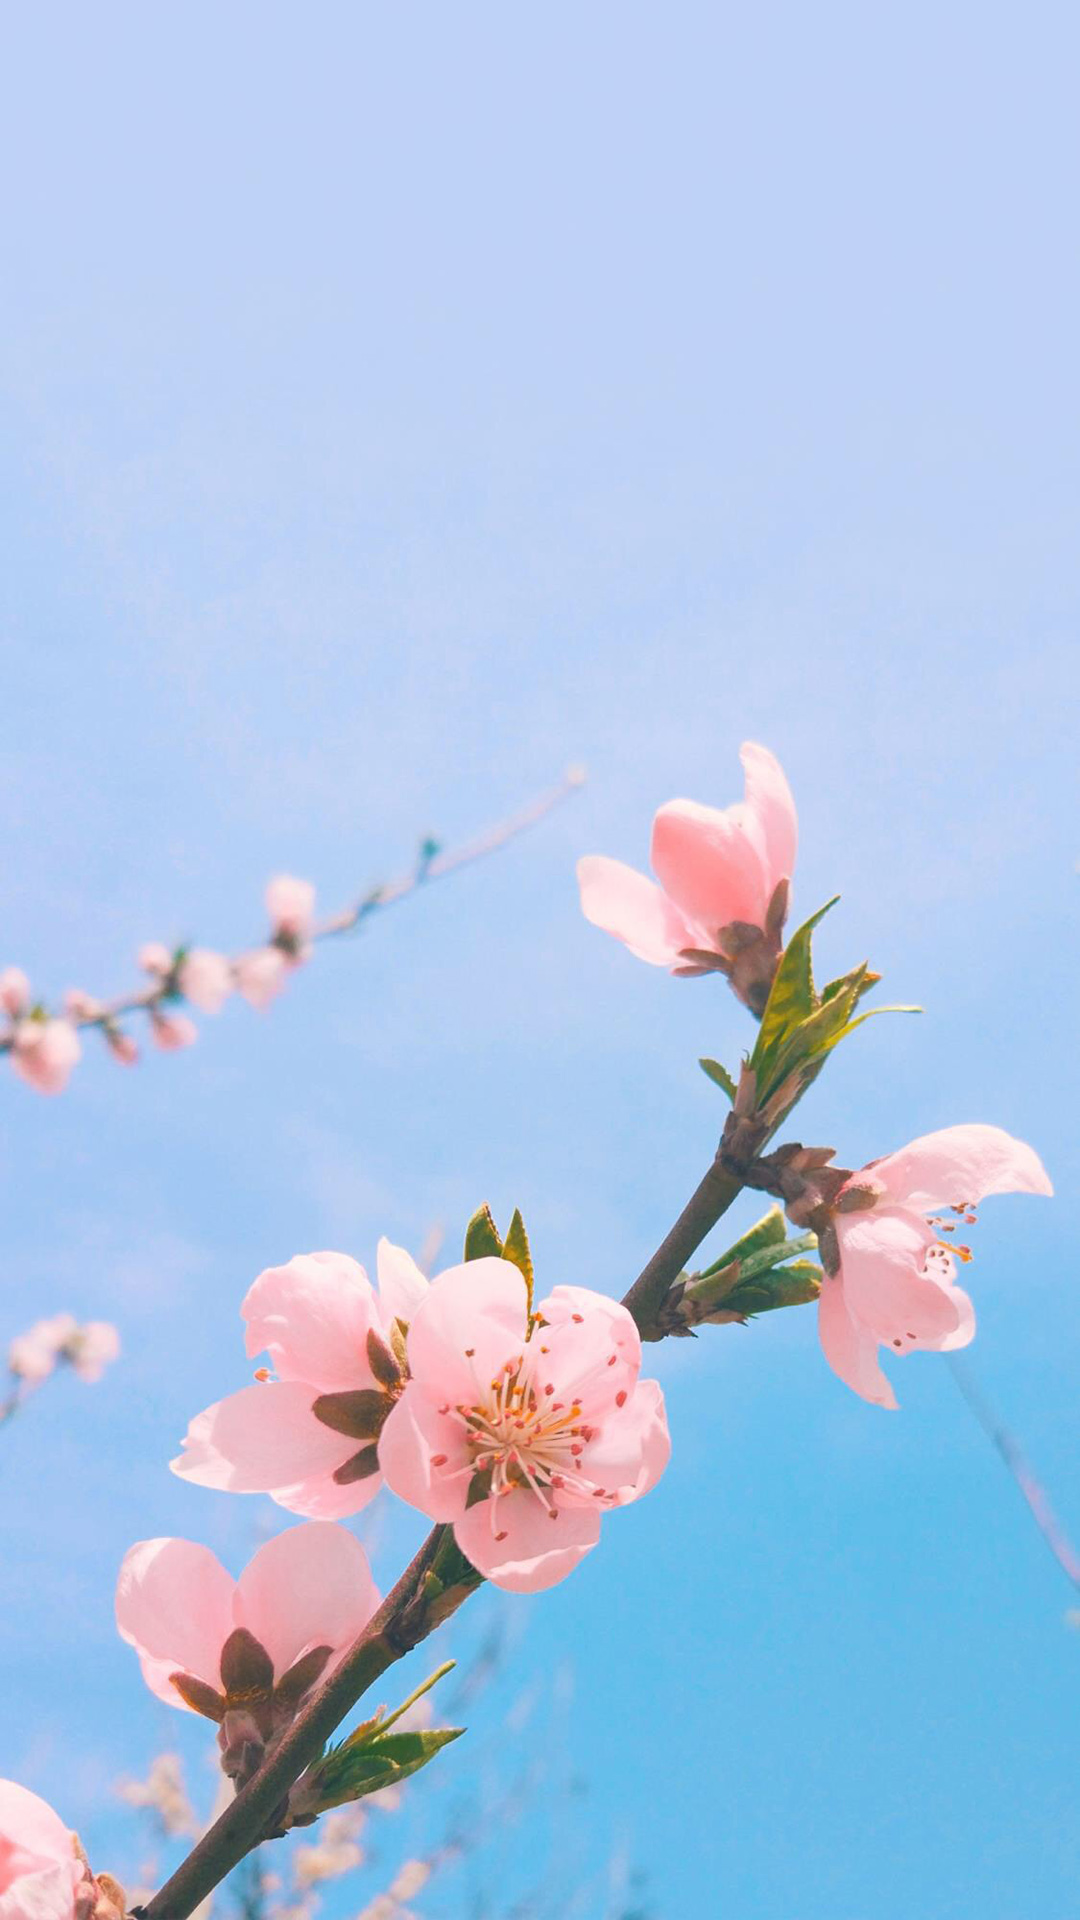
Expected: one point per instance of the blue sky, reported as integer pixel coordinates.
(397, 406)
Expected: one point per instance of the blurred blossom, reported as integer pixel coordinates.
(79, 1005)
(163, 1793)
(154, 957)
(261, 975)
(35, 1354)
(290, 904)
(206, 979)
(14, 991)
(44, 1052)
(172, 1030)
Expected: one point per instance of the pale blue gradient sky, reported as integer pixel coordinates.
(399, 404)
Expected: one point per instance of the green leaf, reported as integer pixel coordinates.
(482, 1240)
(792, 996)
(350, 1772)
(792, 1286)
(720, 1076)
(371, 1757)
(870, 1014)
(516, 1248)
(769, 1231)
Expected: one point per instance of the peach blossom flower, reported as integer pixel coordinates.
(79, 1005)
(206, 979)
(204, 1639)
(95, 1346)
(308, 1437)
(722, 875)
(290, 904)
(172, 1031)
(35, 1354)
(41, 1875)
(154, 957)
(123, 1046)
(895, 1281)
(522, 1437)
(14, 992)
(261, 975)
(43, 1053)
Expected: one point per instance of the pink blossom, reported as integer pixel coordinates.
(261, 975)
(308, 1437)
(95, 1347)
(154, 957)
(206, 979)
(43, 1053)
(290, 904)
(308, 1589)
(123, 1046)
(14, 992)
(35, 1354)
(41, 1875)
(522, 1437)
(717, 870)
(895, 1284)
(172, 1031)
(79, 1005)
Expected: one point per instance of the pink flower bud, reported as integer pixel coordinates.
(206, 979)
(122, 1046)
(154, 957)
(261, 975)
(44, 1052)
(81, 1006)
(173, 1030)
(14, 992)
(290, 904)
(33, 1355)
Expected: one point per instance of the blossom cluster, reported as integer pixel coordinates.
(517, 1423)
(61, 1341)
(44, 1047)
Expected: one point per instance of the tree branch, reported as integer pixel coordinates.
(432, 865)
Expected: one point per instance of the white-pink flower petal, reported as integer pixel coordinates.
(402, 1285)
(174, 1605)
(522, 1547)
(310, 1586)
(958, 1166)
(313, 1316)
(619, 900)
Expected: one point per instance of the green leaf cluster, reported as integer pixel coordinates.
(373, 1756)
(760, 1272)
(800, 1026)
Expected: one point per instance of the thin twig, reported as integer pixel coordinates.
(1031, 1491)
(429, 867)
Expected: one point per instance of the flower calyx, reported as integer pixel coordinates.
(746, 955)
(361, 1413)
(250, 1710)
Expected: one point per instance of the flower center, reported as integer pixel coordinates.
(520, 1434)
